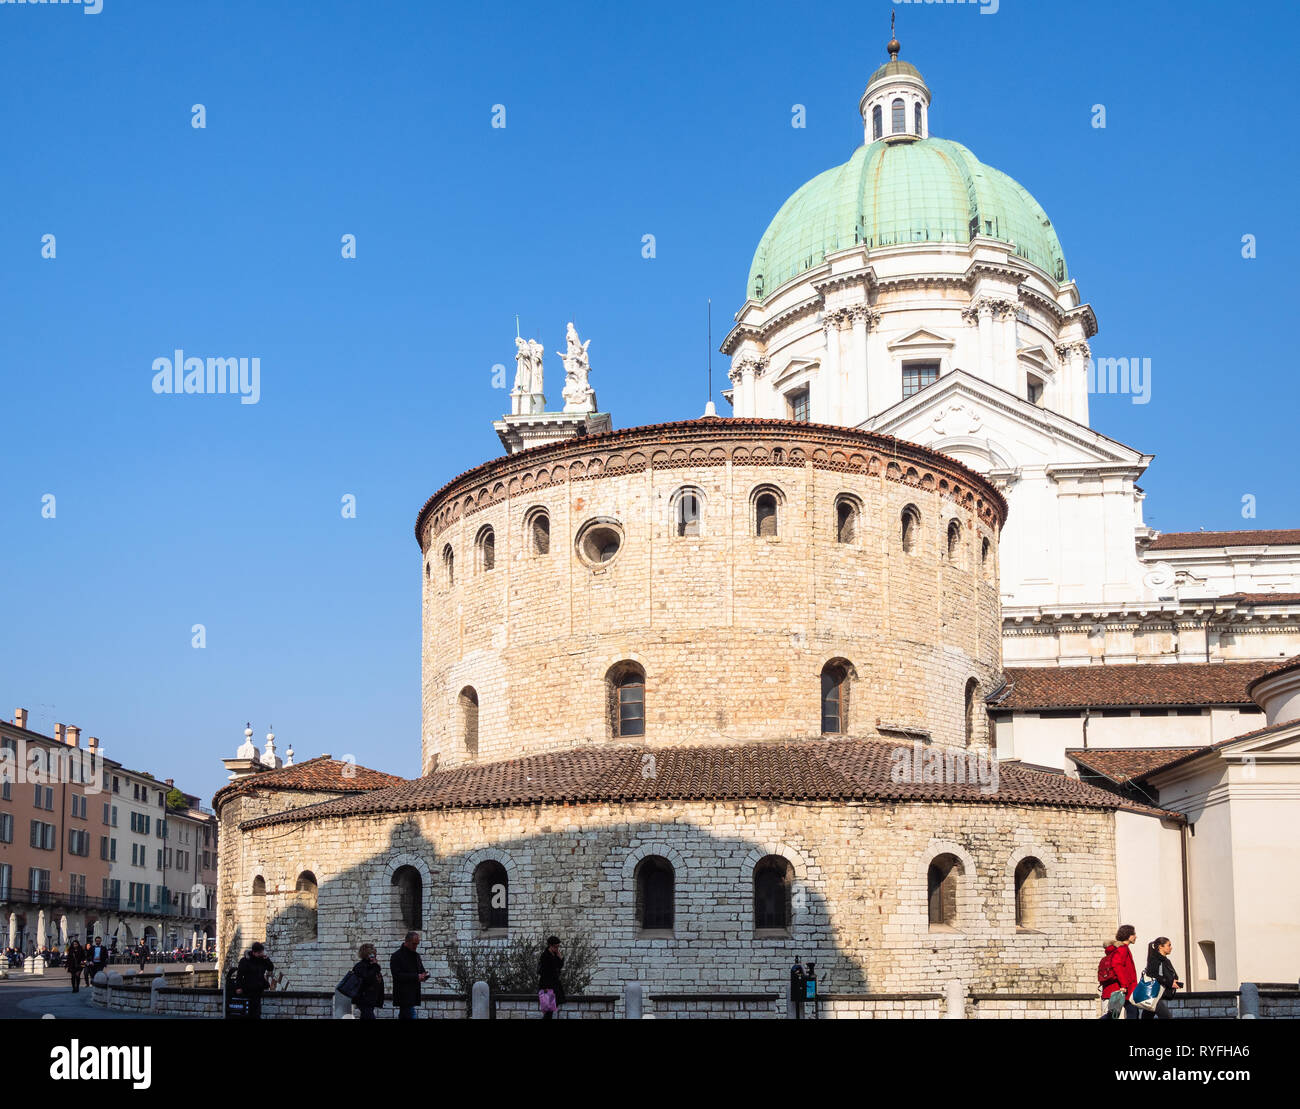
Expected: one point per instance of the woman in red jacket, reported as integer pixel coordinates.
(1124, 979)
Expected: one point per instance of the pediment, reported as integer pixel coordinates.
(990, 429)
(921, 337)
(794, 368)
(1039, 357)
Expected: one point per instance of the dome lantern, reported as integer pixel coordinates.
(896, 104)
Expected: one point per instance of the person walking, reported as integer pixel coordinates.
(371, 994)
(1118, 975)
(408, 973)
(1162, 970)
(252, 979)
(98, 957)
(550, 993)
(142, 954)
(76, 957)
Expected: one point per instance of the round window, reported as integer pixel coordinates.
(599, 542)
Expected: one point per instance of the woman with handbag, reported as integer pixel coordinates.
(370, 982)
(1162, 970)
(550, 994)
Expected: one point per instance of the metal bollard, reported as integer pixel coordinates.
(633, 1000)
(479, 1000)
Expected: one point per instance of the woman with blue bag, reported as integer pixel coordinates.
(1159, 982)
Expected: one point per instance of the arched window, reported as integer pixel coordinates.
(877, 122)
(303, 912)
(972, 689)
(449, 564)
(773, 882)
(1031, 885)
(917, 127)
(410, 898)
(257, 926)
(492, 896)
(538, 527)
(986, 549)
(941, 880)
(428, 569)
(846, 520)
(688, 510)
(900, 116)
(835, 698)
(486, 548)
(625, 700)
(767, 506)
(911, 521)
(467, 704)
(654, 894)
(954, 540)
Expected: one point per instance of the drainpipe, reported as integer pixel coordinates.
(1086, 714)
(1187, 912)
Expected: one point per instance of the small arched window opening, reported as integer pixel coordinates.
(625, 692)
(654, 894)
(765, 516)
(954, 540)
(258, 923)
(449, 564)
(486, 547)
(911, 523)
(492, 896)
(773, 901)
(467, 705)
(846, 520)
(410, 898)
(941, 880)
(302, 915)
(688, 511)
(899, 116)
(986, 550)
(969, 712)
(917, 127)
(1031, 885)
(877, 122)
(539, 533)
(835, 698)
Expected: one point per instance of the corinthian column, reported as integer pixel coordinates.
(864, 317)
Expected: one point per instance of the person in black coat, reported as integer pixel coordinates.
(252, 978)
(408, 973)
(371, 995)
(548, 972)
(1162, 970)
(75, 960)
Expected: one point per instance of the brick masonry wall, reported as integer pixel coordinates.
(731, 629)
(859, 891)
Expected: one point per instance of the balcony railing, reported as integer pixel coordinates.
(13, 895)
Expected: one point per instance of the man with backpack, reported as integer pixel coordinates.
(1117, 976)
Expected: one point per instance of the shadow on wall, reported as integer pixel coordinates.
(671, 905)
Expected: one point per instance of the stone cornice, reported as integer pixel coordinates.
(712, 442)
(761, 333)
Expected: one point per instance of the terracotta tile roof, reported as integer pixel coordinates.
(1187, 755)
(1139, 684)
(1186, 540)
(809, 770)
(1264, 598)
(1285, 666)
(1124, 764)
(321, 774)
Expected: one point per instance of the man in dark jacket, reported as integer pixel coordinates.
(548, 973)
(251, 978)
(408, 973)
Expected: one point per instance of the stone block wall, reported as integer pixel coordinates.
(859, 893)
(731, 628)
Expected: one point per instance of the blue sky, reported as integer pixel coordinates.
(334, 118)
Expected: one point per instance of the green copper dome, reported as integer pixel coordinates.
(924, 191)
